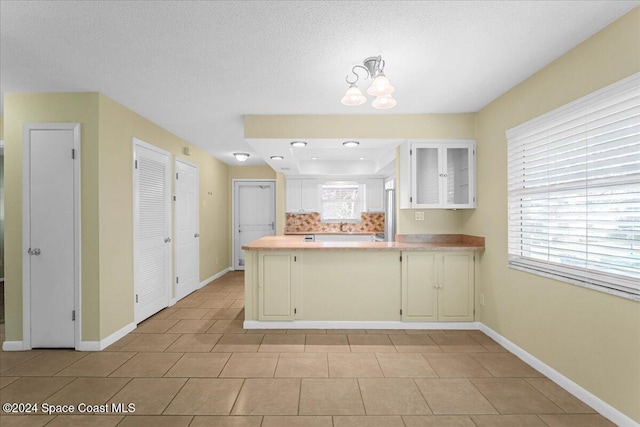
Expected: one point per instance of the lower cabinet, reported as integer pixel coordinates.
(277, 277)
(438, 286)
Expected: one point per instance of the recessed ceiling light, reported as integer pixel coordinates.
(351, 143)
(361, 158)
(314, 158)
(241, 157)
(298, 144)
(277, 158)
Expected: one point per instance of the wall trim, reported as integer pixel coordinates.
(102, 344)
(13, 346)
(602, 407)
(356, 324)
(218, 275)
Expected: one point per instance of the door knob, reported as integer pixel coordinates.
(35, 251)
(196, 235)
(167, 239)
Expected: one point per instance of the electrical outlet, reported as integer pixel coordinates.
(482, 300)
(419, 216)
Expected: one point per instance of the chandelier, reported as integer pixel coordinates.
(380, 86)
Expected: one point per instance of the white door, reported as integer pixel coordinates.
(254, 215)
(151, 229)
(51, 234)
(186, 224)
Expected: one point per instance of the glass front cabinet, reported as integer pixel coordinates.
(441, 175)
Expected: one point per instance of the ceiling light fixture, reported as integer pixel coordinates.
(241, 157)
(298, 144)
(277, 158)
(380, 87)
(314, 158)
(351, 144)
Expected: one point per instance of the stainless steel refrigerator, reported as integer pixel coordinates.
(389, 215)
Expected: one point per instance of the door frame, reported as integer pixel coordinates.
(233, 211)
(174, 298)
(26, 228)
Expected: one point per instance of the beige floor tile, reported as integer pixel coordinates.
(194, 343)
(278, 343)
(191, 327)
(237, 304)
(268, 397)
(5, 381)
(508, 421)
(481, 338)
(85, 420)
(191, 313)
(505, 365)
(165, 313)
(155, 326)
(292, 421)
(386, 331)
(567, 402)
(147, 365)
(475, 348)
(330, 397)
(155, 421)
(46, 363)
(151, 342)
(327, 343)
(454, 396)
(265, 331)
(250, 365)
(25, 420)
(92, 391)
(96, 364)
(392, 396)
(368, 421)
(215, 303)
(150, 395)
(571, 420)
(205, 396)
(346, 331)
(11, 359)
(414, 343)
(456, 365)
(227, 327)
(117, 346)
(411, 365)
(353, 365)
(302, 365)
(199, 365)
(495, 348)
(418, 331)
(223, 313)
(307, 331)
(226, 421)
(514, 396)
(452, 338)
(32, 389)
(438, 421)
(189, 303)
(238, 343)
(371, 343)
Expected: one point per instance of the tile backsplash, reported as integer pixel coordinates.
(311, 223)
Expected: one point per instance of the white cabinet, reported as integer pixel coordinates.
(374, 195)
(437, 174)
(438, 286)
(301, 195)
(277, 278)
(344, 238)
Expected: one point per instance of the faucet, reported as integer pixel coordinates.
(342, 224)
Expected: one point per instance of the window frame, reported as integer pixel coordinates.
(358, 203)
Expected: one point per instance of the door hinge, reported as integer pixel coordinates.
(177, 175)
(400, 312)
(135, 164)
(295, 259)
(411, 152)
(174, 198)
(295, 310)
(73, 315)
(73, 153)
(177, 279)
(400, 258)
(136, 298)
(410, 199)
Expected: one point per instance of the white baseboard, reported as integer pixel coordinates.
(214, 277)
(102, 344)
(12, 346)
(584, 395)
(355, 324)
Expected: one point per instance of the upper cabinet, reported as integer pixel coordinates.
(437, 175)
(374, 195)
(301, 195)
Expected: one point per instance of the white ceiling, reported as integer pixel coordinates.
(195, 68)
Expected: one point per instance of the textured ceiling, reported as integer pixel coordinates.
(195, 68)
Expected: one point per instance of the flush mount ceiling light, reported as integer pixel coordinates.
(314, 158)
(277, 158)
(380, 86)
(298, 144)
(351, 143)
(241, 157)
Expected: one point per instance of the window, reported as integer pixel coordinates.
(574, 191)
(340, 201)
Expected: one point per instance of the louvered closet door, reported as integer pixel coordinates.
(152, 229)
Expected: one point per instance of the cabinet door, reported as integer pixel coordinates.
(374, 195)
(275, 286)
(309, 195)
(419, 292)
(425, 176)
(293, 195)
(456, 287)
(458, 173)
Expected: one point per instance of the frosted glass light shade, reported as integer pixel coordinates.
(384, 102)
(241, 157)
(353, 97)
(380, 86)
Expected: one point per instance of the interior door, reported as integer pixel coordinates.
(186, 224)
(254, 215)
(51, 241)
(152, 229)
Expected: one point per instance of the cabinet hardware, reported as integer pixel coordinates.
(174, 198)
(73, 315)
(136, 298)
(177, 279)
(401, 312)
(295, 310)
(73, 153)
(400, 258)
(295, 259)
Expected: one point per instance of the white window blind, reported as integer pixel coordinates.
(574, 191)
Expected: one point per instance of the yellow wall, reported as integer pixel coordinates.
(106, 206)
(590, 337)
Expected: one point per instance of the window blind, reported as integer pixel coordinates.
(574, 191)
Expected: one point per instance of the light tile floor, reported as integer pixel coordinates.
(194, 365)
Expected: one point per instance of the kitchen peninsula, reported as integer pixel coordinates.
(410, 283)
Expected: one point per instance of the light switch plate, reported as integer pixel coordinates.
(419, 216)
